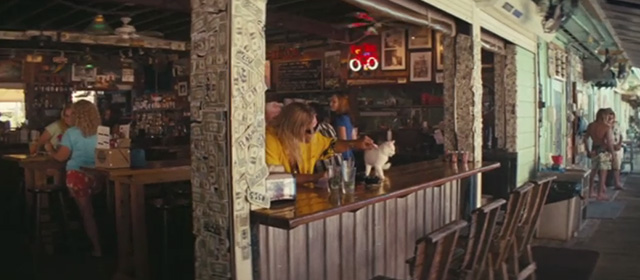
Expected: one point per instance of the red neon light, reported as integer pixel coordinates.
(363, 54)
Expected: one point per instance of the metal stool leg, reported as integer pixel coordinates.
(65, 220)
(37, 203)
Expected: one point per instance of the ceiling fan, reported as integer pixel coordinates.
(364, 20)
(558, 12)
(126, 31)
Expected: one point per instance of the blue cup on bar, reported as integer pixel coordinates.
(138, 158)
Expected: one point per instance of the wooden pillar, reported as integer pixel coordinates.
(463, 94)
(511, 98)
(449, 92)
(499, 100)
(227, 131)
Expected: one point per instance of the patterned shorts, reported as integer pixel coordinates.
(602, 161)
(80, 183)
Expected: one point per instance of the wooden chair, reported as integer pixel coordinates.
(479, 241)
(503, 246)
(524, 265)
(433, 253)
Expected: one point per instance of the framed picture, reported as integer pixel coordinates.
(439, 51)
(420, 67)
(11, 70)
(182, 89)
(420, 38)
(81, 73)
(439, 77)
(394, 53)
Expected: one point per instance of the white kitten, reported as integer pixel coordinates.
(378, 158)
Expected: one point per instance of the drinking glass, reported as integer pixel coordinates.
(348, 178)
(335, 177)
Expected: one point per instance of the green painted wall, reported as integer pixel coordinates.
(554, 122)
(526, 114)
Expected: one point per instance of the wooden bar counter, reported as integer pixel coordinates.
(358, 236)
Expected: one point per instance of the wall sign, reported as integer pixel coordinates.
(365, 57)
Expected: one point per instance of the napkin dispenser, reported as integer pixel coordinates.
(281, 186)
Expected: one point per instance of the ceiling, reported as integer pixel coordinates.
(76, 15)
(287, 20)
(624, 18)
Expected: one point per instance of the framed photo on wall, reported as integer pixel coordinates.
(11, 70)
(439, 51)
(439, 77)
(81, 73)
(420, 38)
(394, 53)
(420, 67)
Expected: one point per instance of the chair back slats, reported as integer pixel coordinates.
(515, 206)
(434, 252)
(539, 198)
(481, 234)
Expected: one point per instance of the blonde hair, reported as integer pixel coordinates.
(289, 125)
(86, 117)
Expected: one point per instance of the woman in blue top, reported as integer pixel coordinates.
(78, 146)
(342, 121)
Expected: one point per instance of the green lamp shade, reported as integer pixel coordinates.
(99, 27)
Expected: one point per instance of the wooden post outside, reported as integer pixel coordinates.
(227, 132)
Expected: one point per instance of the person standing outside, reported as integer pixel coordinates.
(617, 147)
(601, 152)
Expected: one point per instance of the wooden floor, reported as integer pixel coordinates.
(618, 240)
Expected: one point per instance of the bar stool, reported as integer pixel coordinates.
(504, 244)
(523, 264)
(167, 206)
(478, 242)
(36, 209)
(433, 253)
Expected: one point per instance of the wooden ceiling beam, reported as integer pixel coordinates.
(172, 5)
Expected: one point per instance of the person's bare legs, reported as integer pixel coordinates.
(89, 221)
(602, 192)
(616, 174)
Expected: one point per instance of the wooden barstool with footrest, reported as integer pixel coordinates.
(478, 243)
(38, 194)
(523, 265)
(504, 243)
(433, 253)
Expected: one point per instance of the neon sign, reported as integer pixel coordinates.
(365, 57)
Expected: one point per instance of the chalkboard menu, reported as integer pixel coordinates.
(297, 76)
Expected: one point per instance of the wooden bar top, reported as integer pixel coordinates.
(315, 204)
(152, 167)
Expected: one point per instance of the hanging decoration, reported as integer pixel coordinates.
(365, 57)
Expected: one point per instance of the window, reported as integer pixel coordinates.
(12, 108)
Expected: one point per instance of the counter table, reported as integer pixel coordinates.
(358, 236)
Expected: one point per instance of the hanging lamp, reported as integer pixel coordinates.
(99, 27)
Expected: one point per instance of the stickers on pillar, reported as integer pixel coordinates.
(365, 58)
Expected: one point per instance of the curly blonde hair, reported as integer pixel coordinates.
(86, 117)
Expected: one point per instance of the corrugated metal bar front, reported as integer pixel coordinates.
(519, 37)
(462, 9)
